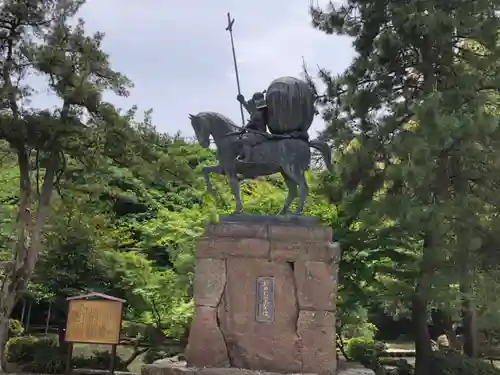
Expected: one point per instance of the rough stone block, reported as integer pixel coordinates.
(206, 345)
(171, 369)
(271, 346)
(209, 281)
(299, 233)
(226, 247)
(317, 331)
(316, 285)
(335, 252)
(353, 368)
(292, 251)
(237, 230)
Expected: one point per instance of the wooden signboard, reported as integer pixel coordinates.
(94, 318)
(94, 321)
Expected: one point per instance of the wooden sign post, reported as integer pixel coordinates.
(94, 318)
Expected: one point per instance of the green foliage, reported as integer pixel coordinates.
(35, 355)
(352, 321)
(21, 349)
(43, 355)
(15, 328)
(8, 200)
(365, 351)
(457, 364)
(47, 358)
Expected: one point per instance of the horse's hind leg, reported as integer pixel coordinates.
(292, 193)
(303, 190)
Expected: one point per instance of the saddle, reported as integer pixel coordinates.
(272, 136)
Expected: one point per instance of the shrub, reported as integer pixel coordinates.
(15, 328)
(364, 349)
(367, 352)
(352, 321)
(21, 349)
(42, 355)
(47, 358)
(451, 363)
(32, 354)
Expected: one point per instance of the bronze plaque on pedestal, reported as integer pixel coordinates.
(265, 299)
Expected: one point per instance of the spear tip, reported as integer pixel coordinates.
(230, 22)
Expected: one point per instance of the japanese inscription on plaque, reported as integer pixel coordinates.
(94, 321)
(265, 299)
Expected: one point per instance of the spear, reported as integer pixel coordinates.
(229, 27)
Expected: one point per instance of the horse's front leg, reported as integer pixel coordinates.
(235, 188)
(206, 175)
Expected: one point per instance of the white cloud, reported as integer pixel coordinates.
(179, 55)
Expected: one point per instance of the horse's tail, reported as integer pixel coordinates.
(326, 152)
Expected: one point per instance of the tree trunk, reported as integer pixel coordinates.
(4, 336)
(28, 242)
(419, 313)
(467, 266)
(61, 335)
(470, 339)
(423, 348)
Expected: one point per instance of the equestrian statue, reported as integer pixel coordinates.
(286, 109)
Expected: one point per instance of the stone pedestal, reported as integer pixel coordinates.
(264, 292)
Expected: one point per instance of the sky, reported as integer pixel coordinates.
(178, 53)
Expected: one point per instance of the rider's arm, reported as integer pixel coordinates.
(248, 105)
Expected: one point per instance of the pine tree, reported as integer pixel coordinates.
(39, 36)
(413, 117)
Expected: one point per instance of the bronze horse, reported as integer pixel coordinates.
(274, 154)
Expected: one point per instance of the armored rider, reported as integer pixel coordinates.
(257, 108)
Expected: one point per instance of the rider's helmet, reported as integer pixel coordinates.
(259, 100)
